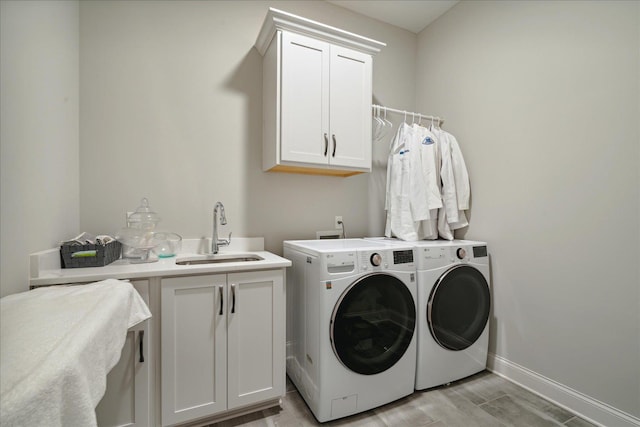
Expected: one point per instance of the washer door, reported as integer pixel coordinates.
(373, 323)
(458, 307)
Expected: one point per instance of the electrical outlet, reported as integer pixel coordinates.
(337, 222)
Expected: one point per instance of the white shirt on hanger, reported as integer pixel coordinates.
(429, 173)
(399, 217)
(455, 186)
(427, 170)
(460, 174)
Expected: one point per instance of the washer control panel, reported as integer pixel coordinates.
(375, 260)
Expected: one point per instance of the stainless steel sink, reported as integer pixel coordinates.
(219, 259)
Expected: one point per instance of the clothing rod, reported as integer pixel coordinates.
(407, 113)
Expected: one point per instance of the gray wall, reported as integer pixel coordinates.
(171, 96)
(543, 97)
(39, 178)
(544, 100)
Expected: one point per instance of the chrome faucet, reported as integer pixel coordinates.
(215, 242)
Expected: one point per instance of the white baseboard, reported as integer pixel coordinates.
(586, 407)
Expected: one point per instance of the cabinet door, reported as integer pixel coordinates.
(350, 108)
(256, 337)
(193, 347)
(304, 100)
(126, 401)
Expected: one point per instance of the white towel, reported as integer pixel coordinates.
(57, 345)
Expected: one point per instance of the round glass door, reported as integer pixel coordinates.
(458, 307)
(373, 323)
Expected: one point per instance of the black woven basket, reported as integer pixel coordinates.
(104, 254)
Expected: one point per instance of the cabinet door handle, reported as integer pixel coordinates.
(335, 144)
(141, 338)
(326, 144)
(233, 298)
(221, 290)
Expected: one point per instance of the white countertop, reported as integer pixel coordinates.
(46, 269)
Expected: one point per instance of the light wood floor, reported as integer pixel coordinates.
(483, 400)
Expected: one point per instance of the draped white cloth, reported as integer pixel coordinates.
(57, 345)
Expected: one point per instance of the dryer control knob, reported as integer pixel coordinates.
(461, 253)
(376, 260)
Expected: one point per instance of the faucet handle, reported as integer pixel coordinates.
(225, 242)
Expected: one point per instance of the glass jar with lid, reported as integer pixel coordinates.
(137, 238)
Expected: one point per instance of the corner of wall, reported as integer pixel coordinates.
(40, 163)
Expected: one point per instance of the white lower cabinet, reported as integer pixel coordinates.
(222, 343)
(126, 401)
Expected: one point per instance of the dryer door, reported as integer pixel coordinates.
(458, 307)
(373, 323)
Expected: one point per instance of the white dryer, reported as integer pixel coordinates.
(351, 320)
(454, 301)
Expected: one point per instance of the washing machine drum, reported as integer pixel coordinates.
(458, 307)
(373, 323)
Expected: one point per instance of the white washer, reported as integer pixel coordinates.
(454, 301)
(351, 320)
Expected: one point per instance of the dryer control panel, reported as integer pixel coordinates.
(479, 251)
(443, 255)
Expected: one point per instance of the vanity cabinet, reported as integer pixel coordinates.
(222, 343)
(317, 93)
(214, 347)
(126, 401)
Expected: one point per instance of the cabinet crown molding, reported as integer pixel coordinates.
(278, 20)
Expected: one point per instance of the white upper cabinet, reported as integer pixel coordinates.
(317, 83)
(304, 100)
(350, 108)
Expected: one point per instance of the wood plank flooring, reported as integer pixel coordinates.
(482, 400)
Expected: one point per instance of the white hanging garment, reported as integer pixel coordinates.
(455, 186)
(449, 197)
(460, 174)
(418, 186)
(430, 172)
(444, 231)
(392, 180)
(427, 173)
(461, 178)
(398, 202)
(461, 223)
(428, 229)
